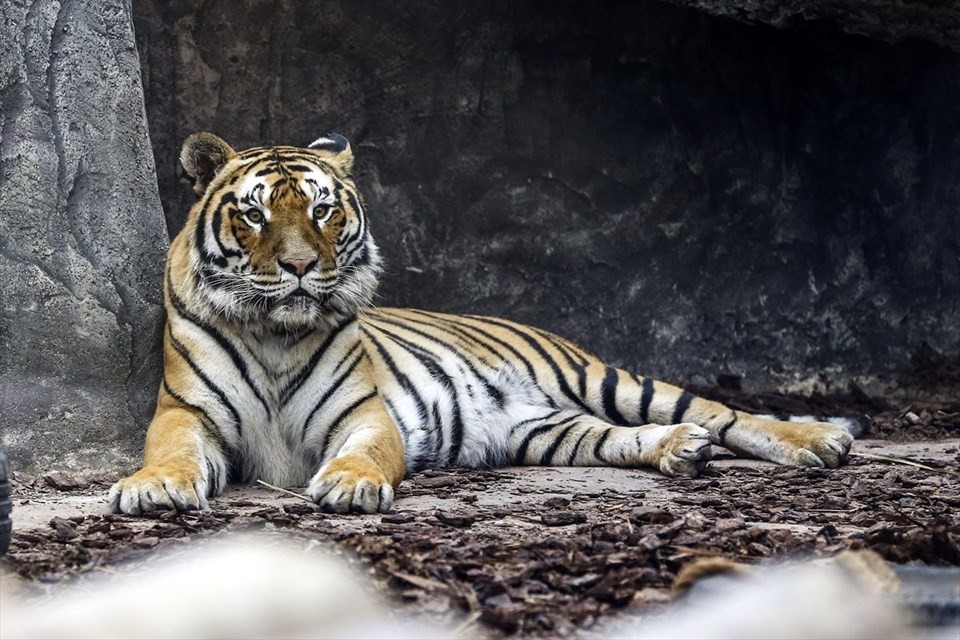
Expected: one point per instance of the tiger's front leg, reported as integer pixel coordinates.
(182, 465)
(368, 463)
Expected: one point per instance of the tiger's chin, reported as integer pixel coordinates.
(296, 313)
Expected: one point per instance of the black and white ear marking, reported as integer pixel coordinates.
(333, 142)
(334, 148)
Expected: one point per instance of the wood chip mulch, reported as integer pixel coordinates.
(554, 566)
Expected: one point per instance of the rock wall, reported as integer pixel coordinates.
(935, 21)
(686, 195)
(82, 238)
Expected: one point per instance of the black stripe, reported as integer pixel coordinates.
(221, 340)
(646, 397)
(200, 237)
(429, 361)
(297, 381)
(209, 426)
(561, 379)
(600, 443)
(404, 430)
(434, 430)
(492, 391)
(349, 354)
(722, 431)
(547, 457)
(279, 153)
(216, 484)
(521, 452)
(456, 435)
(444, 325)
(519, 356)
(216, 223)
(576, 446)
(398, 375)
(466, 326)
(302, 168)
(514, 428)
(349, 253)
(683, 403)
(361, 227)
(580, 367)
(335, 425)
(364, 258)
(217, 391)
(329, 392)
(533, 433)
(609, 388)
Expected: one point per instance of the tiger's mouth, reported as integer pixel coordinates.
(302, 299)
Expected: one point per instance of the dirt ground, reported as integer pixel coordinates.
(550, 551)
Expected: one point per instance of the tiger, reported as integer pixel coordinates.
(278, 366)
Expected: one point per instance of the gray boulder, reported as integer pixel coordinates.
(82, 238)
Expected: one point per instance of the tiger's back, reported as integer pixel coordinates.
(277, 366)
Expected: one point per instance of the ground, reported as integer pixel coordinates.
(551, 551)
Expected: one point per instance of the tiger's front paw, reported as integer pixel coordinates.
(351, 483)
(814, 444)
(159, 487)
(683, 450)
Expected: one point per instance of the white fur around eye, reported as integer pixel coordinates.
(321, 213)
(254, 218)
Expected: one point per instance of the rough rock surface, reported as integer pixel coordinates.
(686, 195)
(82, 237)
(891, 20)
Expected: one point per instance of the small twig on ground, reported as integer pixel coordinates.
(286, 491)
(466, 624)
(875, 456)
(419, 581)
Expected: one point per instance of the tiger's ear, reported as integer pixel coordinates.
(202, 156)
(336, 148)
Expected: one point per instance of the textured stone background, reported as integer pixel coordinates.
(82, 237)
(687, 195)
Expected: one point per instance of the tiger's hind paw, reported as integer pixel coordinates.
(817, 444)
(351, 483)
(157, 488)
(684, 450)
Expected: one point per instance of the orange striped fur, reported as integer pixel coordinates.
(277, 366)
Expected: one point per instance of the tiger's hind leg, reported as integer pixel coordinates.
(810, 444)
(572, 438)
(627, 399)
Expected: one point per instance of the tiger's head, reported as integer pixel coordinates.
(278, 236)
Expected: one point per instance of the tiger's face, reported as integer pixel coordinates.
(278, 234)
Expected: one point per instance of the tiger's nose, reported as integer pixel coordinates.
(297, 266)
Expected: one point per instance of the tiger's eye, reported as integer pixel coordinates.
(321, 211)
(254, 216)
